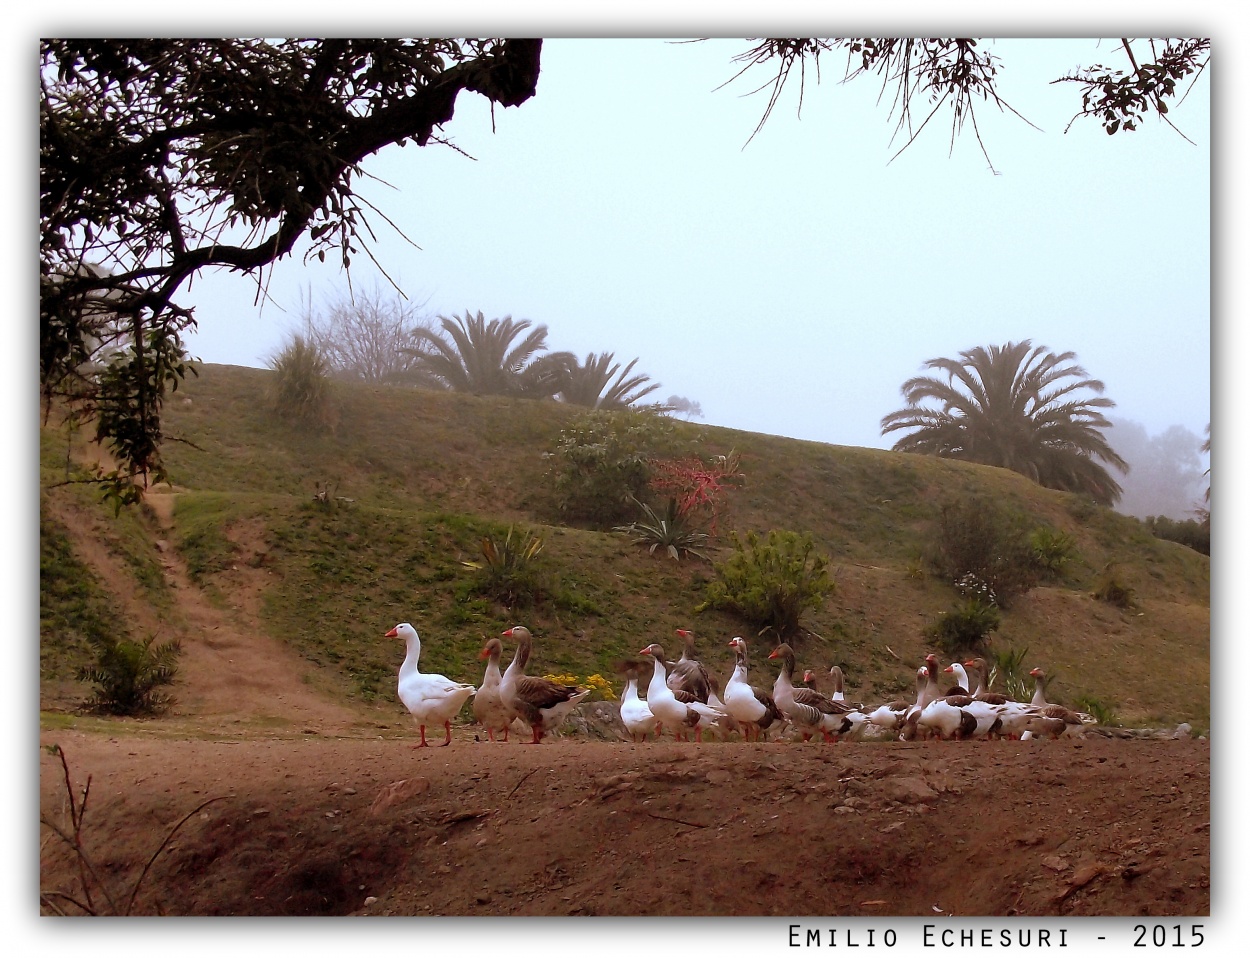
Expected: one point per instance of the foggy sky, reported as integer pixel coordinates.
(792, 284)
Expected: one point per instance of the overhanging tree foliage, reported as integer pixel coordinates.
(159, 158)
(955, 73)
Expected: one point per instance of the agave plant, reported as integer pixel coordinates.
(669, 532)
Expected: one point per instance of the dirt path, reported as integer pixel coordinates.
(319, 809)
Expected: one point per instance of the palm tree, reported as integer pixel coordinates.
(474, 356)
(590, 384)
(1013, 406)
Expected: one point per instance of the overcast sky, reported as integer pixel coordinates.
(790, 284)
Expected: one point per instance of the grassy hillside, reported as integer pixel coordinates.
(428, 474)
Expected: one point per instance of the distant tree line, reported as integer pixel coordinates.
(370, 337)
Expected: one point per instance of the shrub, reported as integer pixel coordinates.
(601, 462)
(301, 390)
(508, 571)
(962, 631)
(978, 537)
(1052, 551)
(698, 488)
(770, 584)
(1111, 590)
(128, 675)
(669, 532)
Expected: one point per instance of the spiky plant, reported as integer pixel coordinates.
(670, 532)
(507, 568)
(301, 390)
(484, 358)
(128, 675)
(590, 384)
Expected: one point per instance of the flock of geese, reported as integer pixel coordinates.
(685, 698)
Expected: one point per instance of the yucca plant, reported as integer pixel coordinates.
(507, 567)
(670, 532)
(1009, 665)
(129, 674)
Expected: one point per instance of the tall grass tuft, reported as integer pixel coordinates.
(508, 571)
(301, 390)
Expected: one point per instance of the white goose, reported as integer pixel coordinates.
(679, 716)
(989, 720)
(892, 715)
(540, 702)
(750, 707)
(488, 707)
(431, 698)
(636, 715)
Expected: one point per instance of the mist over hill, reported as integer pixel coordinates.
(1166, 471)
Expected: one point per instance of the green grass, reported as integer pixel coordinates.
(74, 606)
(430, 473)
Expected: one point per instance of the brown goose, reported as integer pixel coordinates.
(809, 710)
(752, 708)
(543, 704)
(688, 674)
(1074, 721)
(488, 707)
(982, 691)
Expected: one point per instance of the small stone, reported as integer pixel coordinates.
(370, 900)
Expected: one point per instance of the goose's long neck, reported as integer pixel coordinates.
(784, 686)
(658, 676)
(631, 690)
(931, 690)
(980, 689)
(961, 676)
(519, 658)
(410, 660)
(1039, 690)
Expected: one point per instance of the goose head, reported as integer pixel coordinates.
(653, 649)
(493, 649)
(402, 631)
